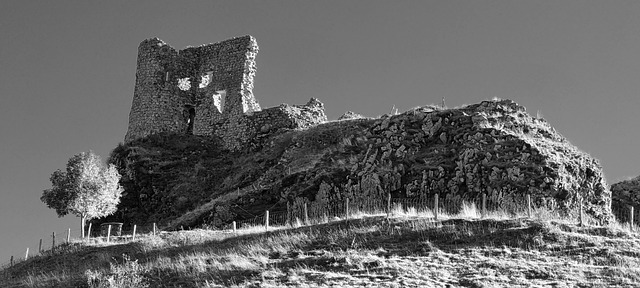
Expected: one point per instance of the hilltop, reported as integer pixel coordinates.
(494, 148)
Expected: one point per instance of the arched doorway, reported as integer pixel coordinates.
(190, 119)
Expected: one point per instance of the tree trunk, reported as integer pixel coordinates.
(82, 221)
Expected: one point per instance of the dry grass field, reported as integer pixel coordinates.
(408, 249)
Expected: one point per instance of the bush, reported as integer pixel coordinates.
(127, 274)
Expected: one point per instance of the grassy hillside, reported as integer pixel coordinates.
(406, 250)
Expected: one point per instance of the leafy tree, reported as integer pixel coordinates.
(88, 188)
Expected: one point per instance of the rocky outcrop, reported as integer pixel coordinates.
(493, 148)
(350, 115)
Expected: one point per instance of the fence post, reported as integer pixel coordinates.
(154, 228)
(306, 215)
(266, 220)
(234, 228)
(484, 205)
(631, 218)
(529, 206)
(53, 242)
(26, 254)
(108, 233)
(347, 209)
(289, 214)
(388, 204)
(11, 260)
(40, 247)
(68, 235)
(89, 232)
(435, 206)
(581, 214)
(134, 232)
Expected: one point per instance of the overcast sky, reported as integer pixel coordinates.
(67, 71)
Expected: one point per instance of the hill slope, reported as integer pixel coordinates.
(493, 147)
(400, 252)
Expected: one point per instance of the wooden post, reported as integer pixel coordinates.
(108, 233)
(529, 205)
(89, 232)
(53, 241)
(581, 214)
(134, 232)
(631, 218)
(68, 235)
(234, 228)
(388, 204)
(266, 220)
(40, 247)
(26, 254)
(11, 260)
(289, 214)
(484, 205)
(306, 215)
(435, 206)
(347, 209)
(154, 228)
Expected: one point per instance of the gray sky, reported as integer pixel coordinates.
(67, 73)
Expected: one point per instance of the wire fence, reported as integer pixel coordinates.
(306, 213)
(626, 214)
(59, 242)
(322, 212)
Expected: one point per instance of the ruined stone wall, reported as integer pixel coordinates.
(155, 107)
(207, 90)
(231, 66)
(237, 133)
(181, 91)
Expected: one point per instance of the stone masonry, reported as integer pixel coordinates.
(207, 90)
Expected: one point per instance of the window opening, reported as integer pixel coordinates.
(205, 79)
(184, 84)
(218, 99)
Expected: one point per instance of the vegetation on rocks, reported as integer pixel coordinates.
(625, 194)
(493, 148)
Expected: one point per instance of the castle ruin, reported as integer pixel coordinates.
(207, 90)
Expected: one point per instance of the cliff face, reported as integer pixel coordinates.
(493, 147)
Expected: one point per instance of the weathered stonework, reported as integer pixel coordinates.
(207, 90)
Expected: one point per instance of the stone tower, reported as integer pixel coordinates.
(194, 90)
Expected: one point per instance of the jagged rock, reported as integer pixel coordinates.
(350, 115)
